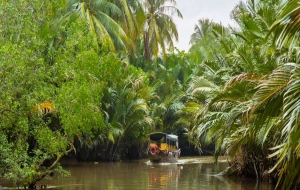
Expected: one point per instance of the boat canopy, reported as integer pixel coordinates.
(172, 137)
(159, 135)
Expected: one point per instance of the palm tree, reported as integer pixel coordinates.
(169, 79)
(159, 29)
(253, 53)
(127, 113)
(277, 107)
(100, 17)
(287, 26)
(227, 116)
(132, 18)
(209, 42)
(201, 30)
(277, 99)
(127, 119)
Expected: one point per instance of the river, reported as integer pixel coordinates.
(189, 173)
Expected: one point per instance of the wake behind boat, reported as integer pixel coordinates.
(163, 147)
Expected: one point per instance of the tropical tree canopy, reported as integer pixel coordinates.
(159, 29)
(104, 19)
(69, 89)
(250, 111)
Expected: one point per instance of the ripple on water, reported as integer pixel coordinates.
(192, 160)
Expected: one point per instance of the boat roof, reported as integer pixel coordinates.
(159, 135)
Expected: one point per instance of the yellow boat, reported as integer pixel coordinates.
(163, 147)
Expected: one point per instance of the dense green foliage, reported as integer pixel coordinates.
(85, 79)
(63, 90)
(245, 100)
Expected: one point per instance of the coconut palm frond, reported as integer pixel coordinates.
(287, 26)
(241, 77)
(159, 27)
(270, 92)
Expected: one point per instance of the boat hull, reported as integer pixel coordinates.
(164, 157)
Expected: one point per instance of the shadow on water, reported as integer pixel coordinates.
(188, 173)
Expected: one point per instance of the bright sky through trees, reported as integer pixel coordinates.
(193, 10)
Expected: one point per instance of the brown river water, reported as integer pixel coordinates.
(189, 173)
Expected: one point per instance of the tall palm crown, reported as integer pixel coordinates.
(208, 42)
(101, 17)
(201, 30)
(132, 18)
(159, 29)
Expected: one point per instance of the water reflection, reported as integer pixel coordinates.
(163, 176)
(189, 173)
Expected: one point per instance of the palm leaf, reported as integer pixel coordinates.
(287, 25)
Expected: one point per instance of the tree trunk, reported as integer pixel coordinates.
(146, 46)
(116, 148)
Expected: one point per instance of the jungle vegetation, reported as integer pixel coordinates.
(91, 79)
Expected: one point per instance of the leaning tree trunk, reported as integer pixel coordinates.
(48, 171)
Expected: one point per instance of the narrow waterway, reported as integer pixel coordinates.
(190, 173)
